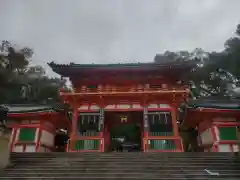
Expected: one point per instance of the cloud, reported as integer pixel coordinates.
(106, 31)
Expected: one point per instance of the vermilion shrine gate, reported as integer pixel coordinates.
(138, 102)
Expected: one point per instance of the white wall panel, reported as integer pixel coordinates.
(152, 106)
(207, 136)
(30, 148)
(164, 106)
(224, 148)
(18, 148)
(47, 138)
(235, 148)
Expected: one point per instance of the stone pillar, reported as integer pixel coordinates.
(4, 149)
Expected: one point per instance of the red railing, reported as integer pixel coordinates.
(109, 89)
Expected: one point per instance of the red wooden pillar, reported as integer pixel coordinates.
(215, 140)
(178, 142)
(74, 128)
(174, 121)
(13, 138)
(38, 143)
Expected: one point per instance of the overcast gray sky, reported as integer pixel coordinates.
(107, 31)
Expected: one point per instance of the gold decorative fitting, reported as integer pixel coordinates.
(123, 119)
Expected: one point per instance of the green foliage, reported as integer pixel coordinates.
(21, 83)
(214, 78)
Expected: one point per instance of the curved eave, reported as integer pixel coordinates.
(213, 110)
(194, 116)
(214, 103)
(31, 114)
(32, 108)
(71, 69)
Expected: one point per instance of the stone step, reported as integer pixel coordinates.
(121, 170)
(87, 166)
(197, 155)
(130, 162)
(120, 178)
(122, 175)
(231, 166)
(72, 154)
(133, 158)
(79, 160)
(141, 167)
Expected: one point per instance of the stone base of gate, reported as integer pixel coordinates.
(4, 152)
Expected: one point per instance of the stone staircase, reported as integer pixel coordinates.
(128, 166)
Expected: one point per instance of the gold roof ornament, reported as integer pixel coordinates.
(123, 119)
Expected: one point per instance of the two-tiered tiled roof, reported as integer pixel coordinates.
(71, 69)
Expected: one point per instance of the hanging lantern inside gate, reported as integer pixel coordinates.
(123, 119)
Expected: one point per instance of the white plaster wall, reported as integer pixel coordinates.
(11, 138)
(136, 106)
(42, 149)
(17, 134)
(94, 107)
(152, 106)
(224, 148)
(207, 136)
(30, 148)
(83, 107)
(110, 106)
(235, 148)
(37, 134)
(164, 106)
(47, 138)
(123, 106)
(18, 148)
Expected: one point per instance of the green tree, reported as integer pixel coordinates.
(22, 83)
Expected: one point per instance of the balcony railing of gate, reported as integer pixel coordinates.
(139, 88)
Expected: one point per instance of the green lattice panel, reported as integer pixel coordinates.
(87, 145)
(227, 133)
(162, 145)
(27, 134)
(161, 133)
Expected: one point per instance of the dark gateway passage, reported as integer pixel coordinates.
(125, 131)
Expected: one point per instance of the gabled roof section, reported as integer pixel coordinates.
(215, 103)
(68, 69)
(30, 108)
